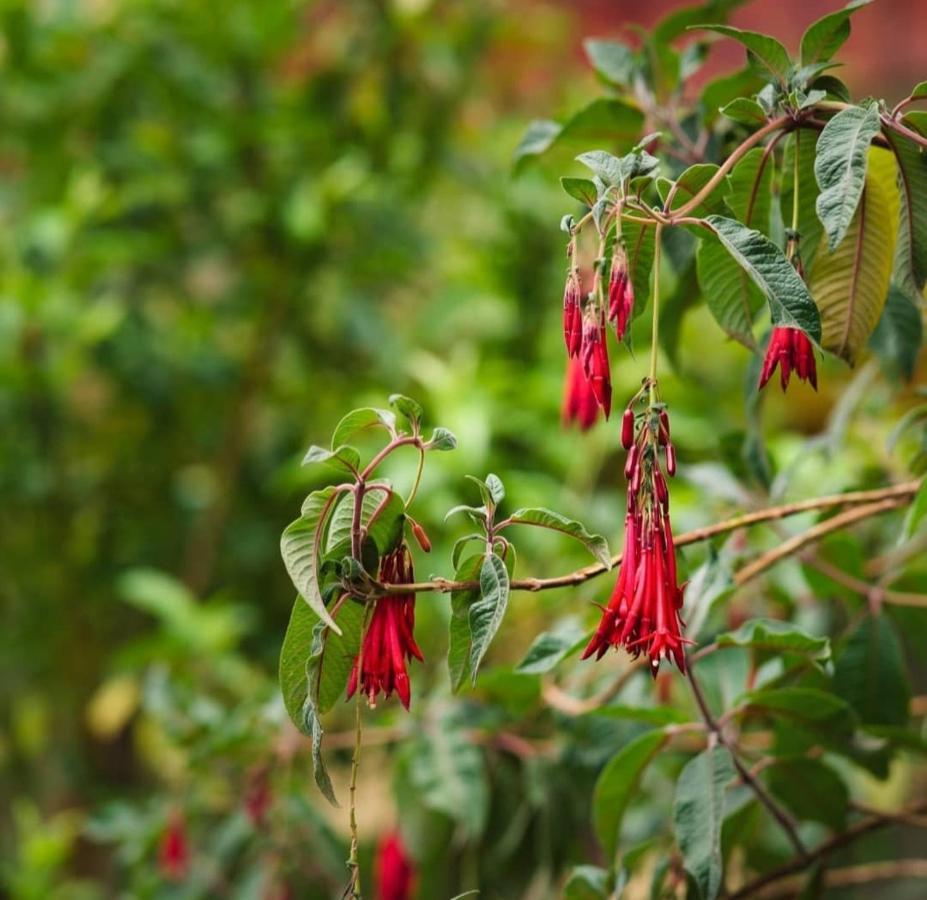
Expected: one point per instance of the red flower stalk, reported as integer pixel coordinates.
(579, 402)
(395, 872)
(388, 642)
(173, 851)
(620, 292)
(572, 313)
(594, 355)
(643, 612)
(790, 349)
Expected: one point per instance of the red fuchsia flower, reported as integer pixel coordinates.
(620, 292)
(643, 612)
(594, 355)
(572, 311)
(579, 402)
(388, 642)
(174, 851)
(395, 872)
(791, 350)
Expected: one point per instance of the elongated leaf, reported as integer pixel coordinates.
(298, 674)
(851, 283)
(362, 420)
(898, 335)
(840, 167)
(458, 649)
(614, 62)
(549, 649)
(870, 673)
(617, 784)
(819, 712)
(487, 613)
(640, 243)
(745, 110)
(778, 637)
(825, 37)
(345, 458)
(911, 252)
(300, 546)
(811, 790)
(698, 813)
(810, 228)
(790, 304)
(581, 189)
(764, 53)
(587, 883)
(546, 518)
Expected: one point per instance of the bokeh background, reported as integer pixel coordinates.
(221, 227)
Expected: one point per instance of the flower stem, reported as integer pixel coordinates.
(655, 331)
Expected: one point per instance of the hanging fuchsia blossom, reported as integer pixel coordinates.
(395, 872)
(620, 292)
(174, 851)
(791, 350)
(388, 642)
(643, 612)
(579, 402)
(572, 313)
(594, 355)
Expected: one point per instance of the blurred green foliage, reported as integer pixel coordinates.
(222, 228)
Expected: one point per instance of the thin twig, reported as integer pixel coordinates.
(865, 873)
(573, 706)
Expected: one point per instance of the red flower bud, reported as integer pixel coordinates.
(594, 355)
(632, 463)
(664, 428)
(670, 452)
(627, 428)
(572, 313)
(420, 535)
(579, 402)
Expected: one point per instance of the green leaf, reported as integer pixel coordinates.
(299, 661)
(746, 111)
(833, 87)
(338, 654)
(538, 138)
(587, 883)
(790, 304)
(810, 789)
(581, 189)
(919, 91)
(721, 91)
(826, 36)
(618, 783)
(870, 673)
(410, 409)
(688, 184)
(382, 515)
(824, 714)
(850, 284)
(300, 545)
(461, 543)
(676, 22)
(614, 62)
(546, 518)
(916, 512)
(458, 649)
(750, 190)
(549, 649)
(764, 53)
(487, 613)
(911, 251)
(441, 439)
(898, 335)
(777, 637)
(345, 458)
(810, 228)
(361, 420)
(698, 813)
(640, 243)
(840, 167)
(450, 775)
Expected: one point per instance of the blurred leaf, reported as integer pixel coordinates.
(824, 714)
(587, 883)
(613, 61)
(777, 637)
(545, 518)
(898, 336)
(550, 648)
(698, 813)
(811, 789)
(764, 53)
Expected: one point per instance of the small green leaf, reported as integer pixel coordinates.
(408, 408)
(345, 458)
(300, 546)
(870, 673)
(476, 514)
(777, 637)
(745, 110)
(361, 420)
(833, 87)
(721, 91)
(487, 613)
(587, 883)
(826, 36)
(840, 167)
(442, 439)
(614, 62)
(790, 304)
(764, 53)
(546, 518)
(461, 543)
(919, 91)
(810, 789)
(549, 649)
(581, 189)
(698, 813)
(606, 166)
(618, 783)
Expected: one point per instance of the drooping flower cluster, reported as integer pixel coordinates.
(790, 350)
(395, 872)
(584, 333)
(389, 642)
(643, 612)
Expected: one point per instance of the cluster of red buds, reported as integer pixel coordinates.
(588, 383)
(388, 641)
(791, 350)
(643, 612)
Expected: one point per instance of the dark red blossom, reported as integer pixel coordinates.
(579, 402)
(791, 350)
(572, 313)
(620, 292)
(389, 642)
(594, 355)
(174, 851)
(643, 612)
(395, 872)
